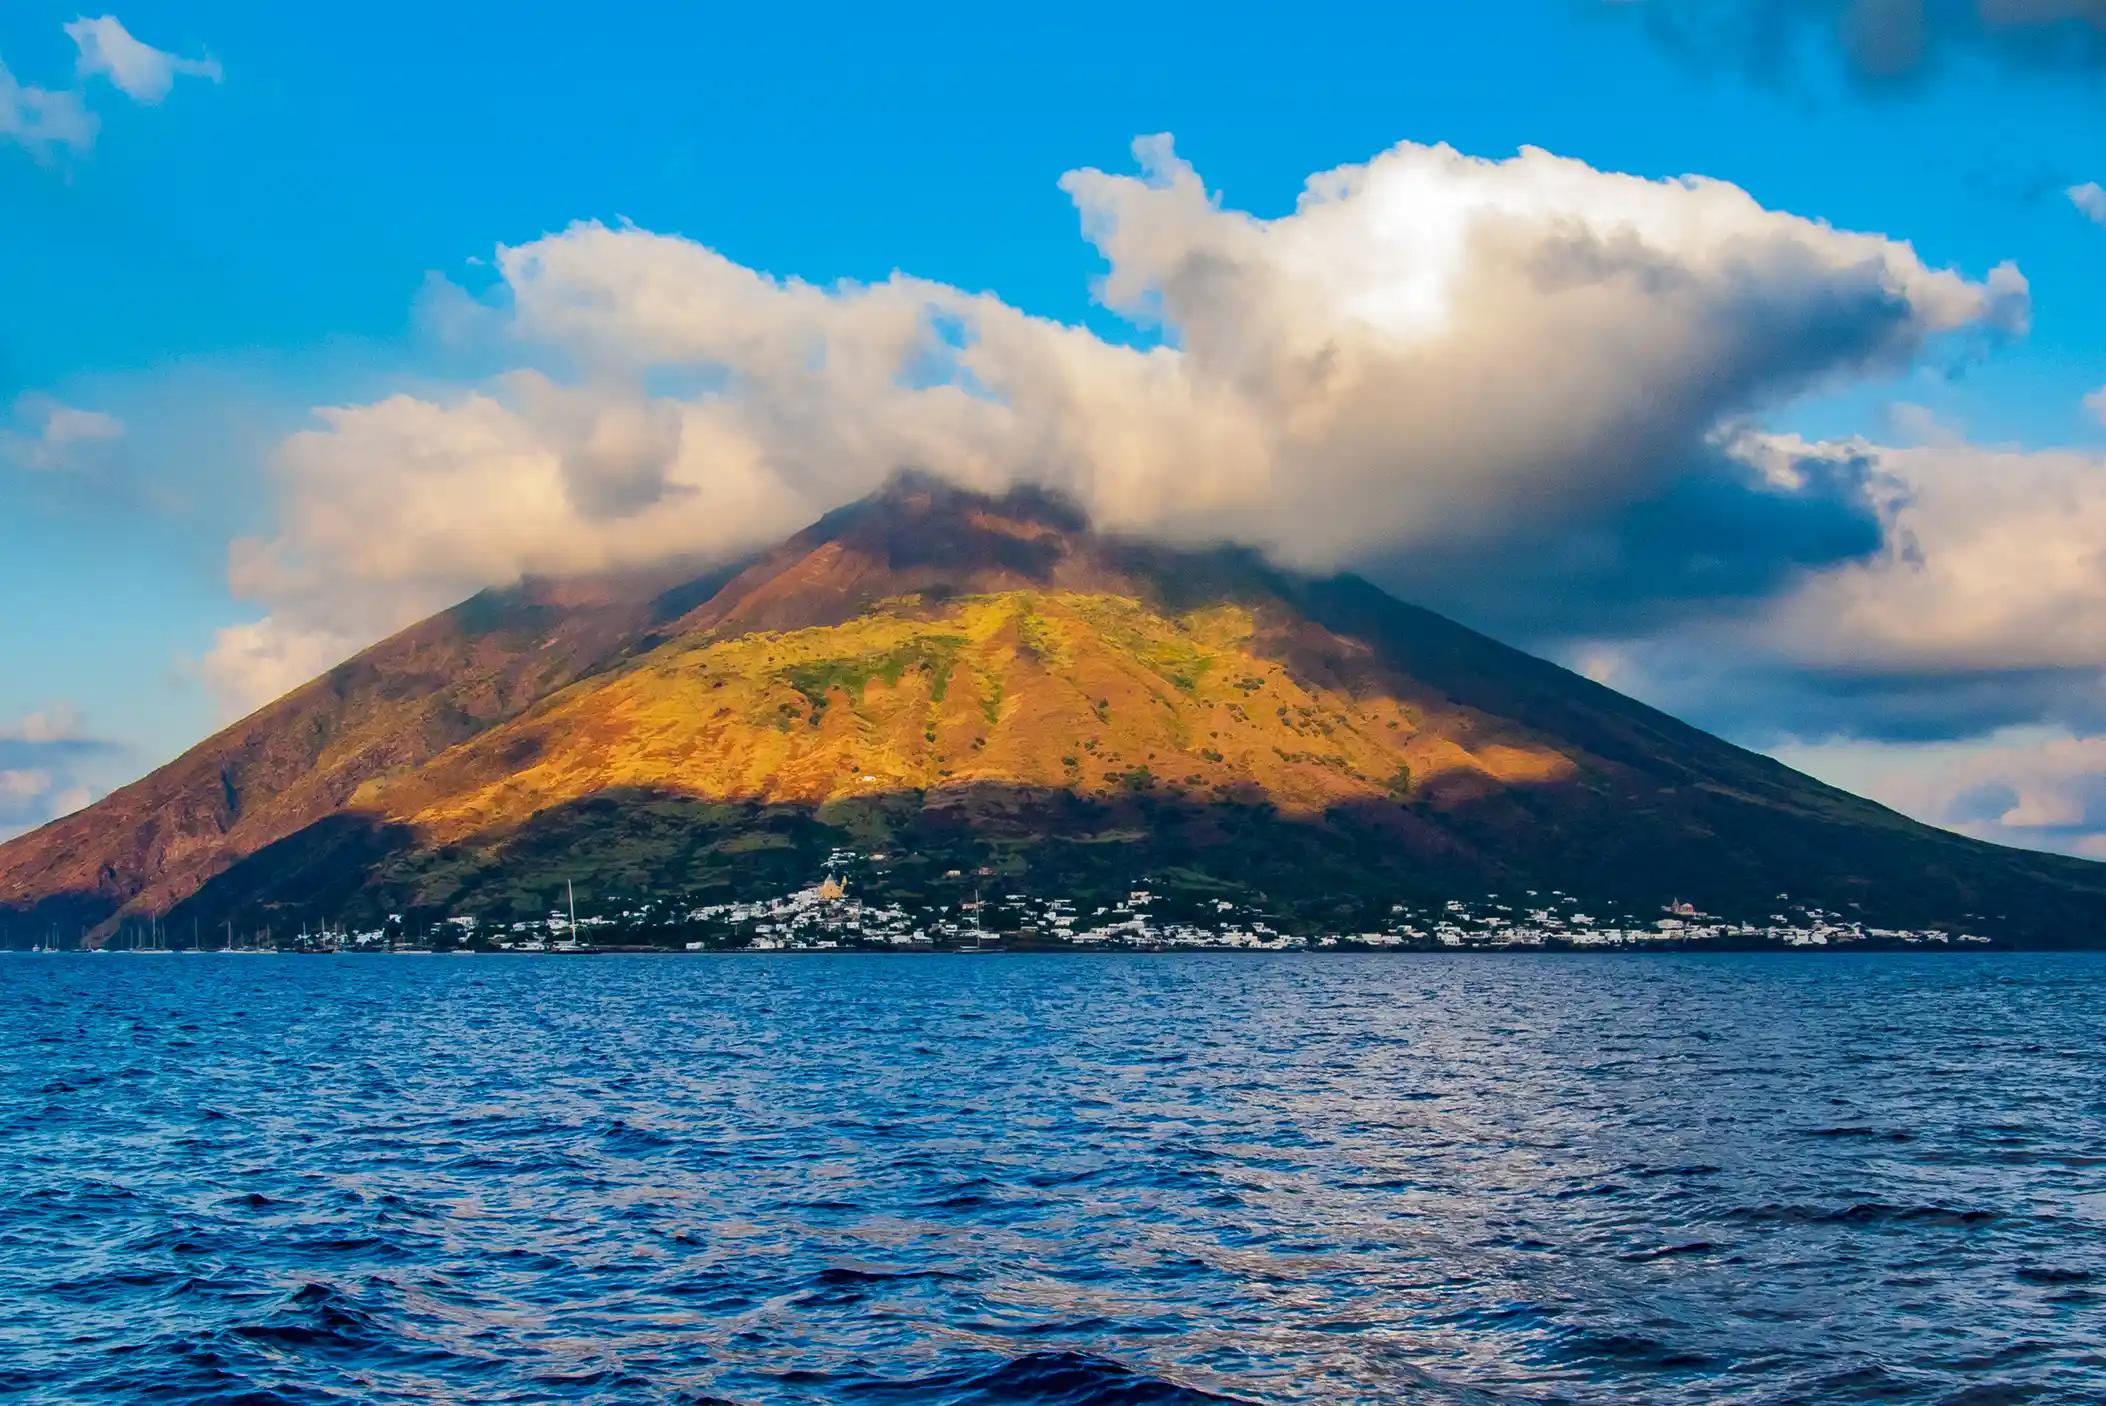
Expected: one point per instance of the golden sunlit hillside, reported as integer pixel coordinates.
(1093, 694)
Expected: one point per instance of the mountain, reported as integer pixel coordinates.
(986, 687)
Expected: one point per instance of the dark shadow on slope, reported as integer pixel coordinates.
(67, 920)
(1335, 872)
(317, 875)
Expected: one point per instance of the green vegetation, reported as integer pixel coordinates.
(934, 655)
(1130, 630)
(1037, 637)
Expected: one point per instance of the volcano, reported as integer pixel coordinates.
(982, 685)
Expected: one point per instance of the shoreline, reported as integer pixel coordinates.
(1603, 950)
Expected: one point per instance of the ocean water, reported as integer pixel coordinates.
(1072, 1179)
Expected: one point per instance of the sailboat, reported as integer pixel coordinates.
(979, 933)
(570, 941)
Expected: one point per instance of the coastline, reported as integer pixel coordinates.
(1653, 949)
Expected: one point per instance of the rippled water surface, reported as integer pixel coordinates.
(1061, 1178)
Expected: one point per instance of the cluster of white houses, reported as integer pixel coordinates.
(829, 915)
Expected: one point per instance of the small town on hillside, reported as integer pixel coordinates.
(829, 915)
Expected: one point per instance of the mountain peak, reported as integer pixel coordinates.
(918, 535)
(917, 520)
(921, 496)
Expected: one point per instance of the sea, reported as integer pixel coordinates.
(1097, 1178)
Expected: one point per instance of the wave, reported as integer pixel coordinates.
(1859, 1213)
(1055, 1378)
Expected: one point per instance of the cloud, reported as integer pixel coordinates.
(401, 507)
(2038, 788)
(252, 663)
(1983, 609)
(30, 796)
(48, 436)
(2090, 199)
(42, 120)
(1992, 565)
(59, 723)
(1497, 373)
(1884, 42)
(17, 785)
(141, 72)
(2096, 404)
(50, 766)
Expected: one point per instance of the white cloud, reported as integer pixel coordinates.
(24, 784)
(1992, 563)
(50, 766)
(255, 662)
(60, 722)
(2038, 788)
(1983, 611)
(42, 120)
(141, 72)
(399, 508)
(2089, 198)
(1432, 355)
(45, 121)
(32, 797)
(1983, 608)
(66, 424)
(2096, 404)
(51, 437)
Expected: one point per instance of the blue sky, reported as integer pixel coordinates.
(259, 241)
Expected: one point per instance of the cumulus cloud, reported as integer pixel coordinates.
(43, 120)
(57, 724)
(30, 796)
(398, 508)
(1992, 564)
(23, 784)
(140, 71)
(2090, 199)
(2038, 788)
(257, 661)
(1509, 370)
(1883, 41)
(1983, 609)
(48, 436)
(49, 766)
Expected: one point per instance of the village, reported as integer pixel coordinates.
(831, 914)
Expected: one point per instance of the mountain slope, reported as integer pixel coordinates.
(146, 846)
(965, 682)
